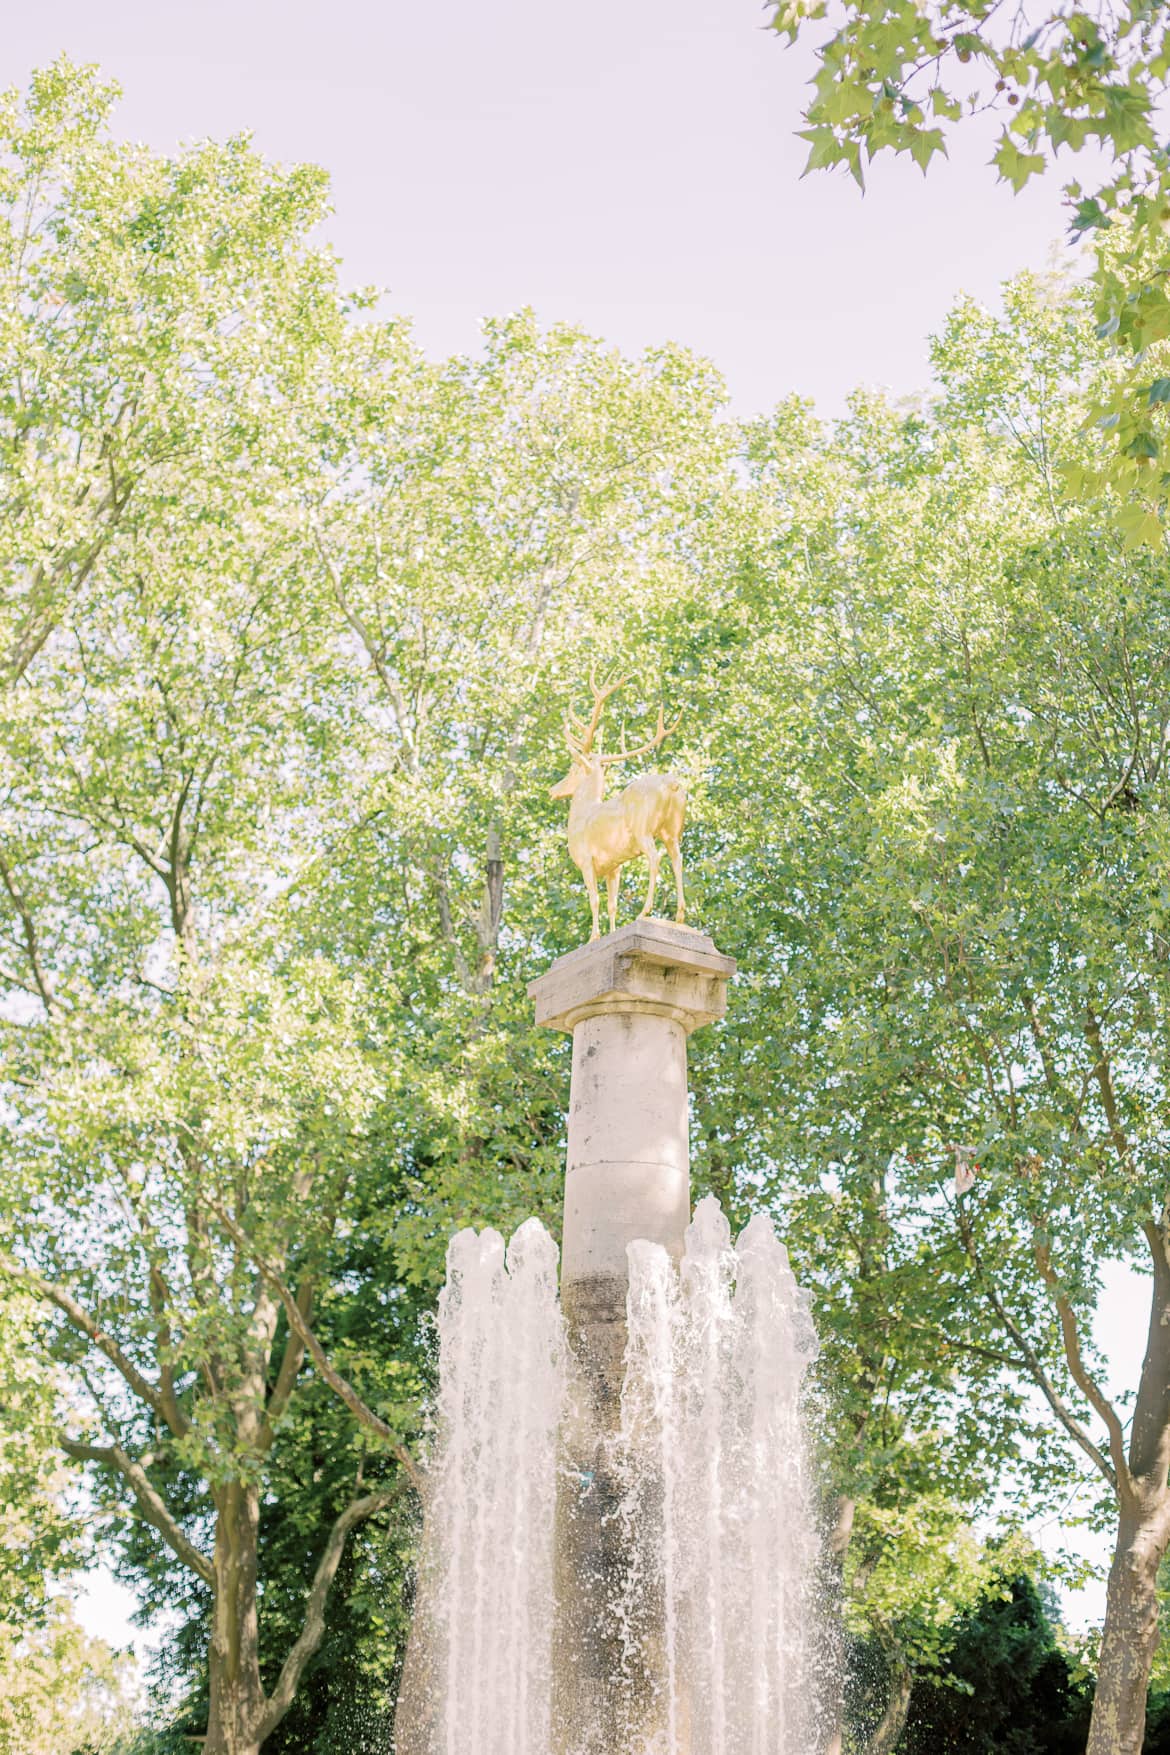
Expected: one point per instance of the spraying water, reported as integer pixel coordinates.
(720, 1503)
(714, 1604)
(488, 1581)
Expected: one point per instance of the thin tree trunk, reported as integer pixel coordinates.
(237, 1695)
(838, 1544)
(417, 1707)
(893, 1719)
(1130, 1638)
(1142, 1480)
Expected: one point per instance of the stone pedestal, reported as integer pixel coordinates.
(630, 1001)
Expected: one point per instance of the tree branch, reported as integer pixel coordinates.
(1082, 1377)
(885, 1734)
(290, 1365)
(41, 620)
(159, 1294)
(151, 1505)
(1036, 1031)
(1149, 1438)
(198, 1252)
(447, 926)
(846, 1508)
(991, 1354)
(311, 1633)
(1031, 1359)
(1104, 1077)
(28, 931)
(372, 648)
(341, 1388)
(88, 1325)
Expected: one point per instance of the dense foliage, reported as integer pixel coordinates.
(64, 1693)
(1007, 1685)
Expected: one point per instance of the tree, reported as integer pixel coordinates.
(277, 858)
(164, 315)
(486, 531)
(1005, 1688)
(807, 1097)
(916, 1568)
(129, 305)
(901, 77)
(977, 783)
(62, 1693)
(348, 1686)
(262, 776)
(39, 1541)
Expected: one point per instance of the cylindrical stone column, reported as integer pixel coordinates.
(630, 1000)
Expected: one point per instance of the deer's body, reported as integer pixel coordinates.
(605, 834)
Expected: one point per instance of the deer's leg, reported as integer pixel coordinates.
(590, 877)
(612, 886)
(650, 848)
(675, 851)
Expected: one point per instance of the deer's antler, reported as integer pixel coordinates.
(663, 731)
(579, 734)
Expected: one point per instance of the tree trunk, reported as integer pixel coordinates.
(893, 1720)
(845, 1511)
(417, 1706)
(237, 1695)
(1131, 1634)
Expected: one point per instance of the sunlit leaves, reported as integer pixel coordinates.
(1060, 82)
(275, 804)
(1015, 166)
(954, 852)
(61, 1689)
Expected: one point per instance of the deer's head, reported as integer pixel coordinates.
(588, 763)
(566, 787)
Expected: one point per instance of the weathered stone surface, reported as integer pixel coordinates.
(650, 965)
(630, 1000)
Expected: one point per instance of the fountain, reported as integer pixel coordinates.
(719, 1513)
(620, 1554)
(489, 1599)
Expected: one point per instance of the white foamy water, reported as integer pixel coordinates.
(492, 1496)
(720, 1503)
(718, 1600)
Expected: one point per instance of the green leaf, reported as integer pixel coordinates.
(924, 143)
(826, 149)
(1089, 215)
(1065, 130)
(1015, 167)
(1140, 526)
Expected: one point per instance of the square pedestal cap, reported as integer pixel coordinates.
(648, 966)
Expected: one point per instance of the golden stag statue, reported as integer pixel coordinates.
(605, 834)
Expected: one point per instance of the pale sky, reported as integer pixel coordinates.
(627, 165)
